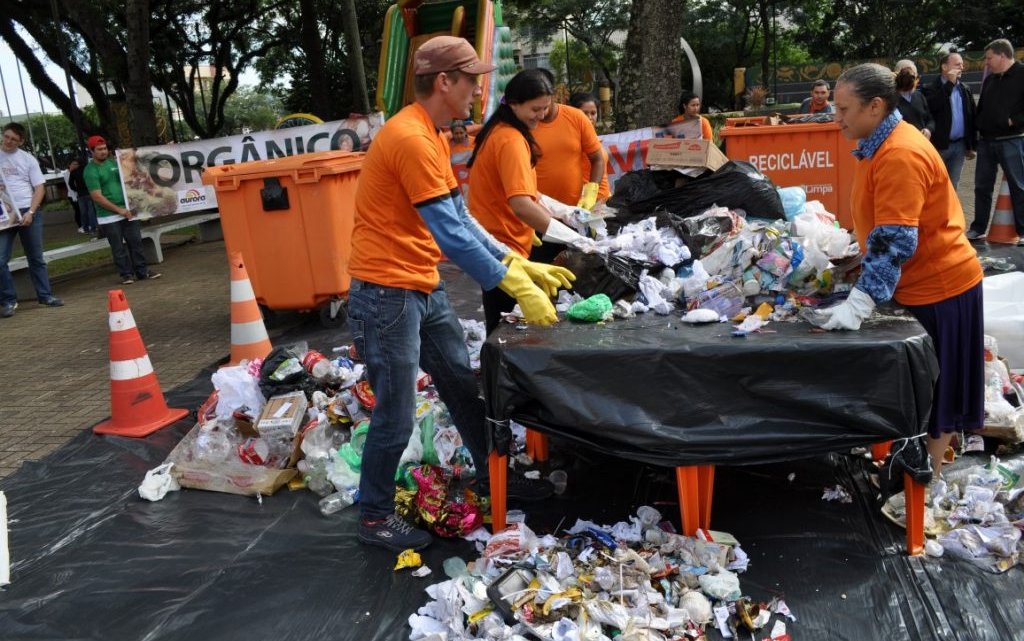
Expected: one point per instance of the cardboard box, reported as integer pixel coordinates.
(682, 152)
(231, 476)
(283, 412)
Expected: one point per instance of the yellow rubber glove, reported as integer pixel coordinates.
(537, 308)
(537, 242)
(548, 277)
(589, 196)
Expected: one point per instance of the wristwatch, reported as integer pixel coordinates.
(31, 212)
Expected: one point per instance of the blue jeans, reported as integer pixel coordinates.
(1008, 154)
(953, 157)
(87, 211)
(397, 332)
(32, 242)
(129, 261)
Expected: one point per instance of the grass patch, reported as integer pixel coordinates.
(56, 243)
(82, 261)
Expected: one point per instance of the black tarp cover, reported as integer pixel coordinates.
(660, 391)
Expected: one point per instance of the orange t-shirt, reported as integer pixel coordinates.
(906, 183)
(408, 163)
(502, 170)
(706, 131)
(563, 141)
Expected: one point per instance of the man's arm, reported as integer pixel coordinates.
(101, 200)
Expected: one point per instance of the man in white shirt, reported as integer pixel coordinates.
(26, 187)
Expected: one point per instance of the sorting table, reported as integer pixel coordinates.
(659, 391)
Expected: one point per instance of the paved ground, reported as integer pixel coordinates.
(54, 379)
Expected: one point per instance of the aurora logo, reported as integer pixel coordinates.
(191, 197)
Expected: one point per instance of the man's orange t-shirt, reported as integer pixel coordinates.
(502, 170)
(563, 141)
(408, 163)
(905, 183)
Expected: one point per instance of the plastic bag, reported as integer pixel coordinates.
(158, 483)
(736, 185)
(793, 200)
(1004, 314)
(596, 308)
(237, 388)
(615, 276)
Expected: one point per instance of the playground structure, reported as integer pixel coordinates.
(410, 23)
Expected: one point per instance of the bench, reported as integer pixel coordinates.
(209, 230)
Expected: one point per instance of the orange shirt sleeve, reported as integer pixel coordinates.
(706, 132)
(517, 176)
(901, 189)
(588, 135)
(424, 168)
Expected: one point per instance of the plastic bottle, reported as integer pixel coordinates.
(316, 478)
(336, 502)
(317, 364)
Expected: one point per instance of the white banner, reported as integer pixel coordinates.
(166, 179)
(627, 150)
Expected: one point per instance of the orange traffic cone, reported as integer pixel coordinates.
(1003, 229)
(137, 406)
(249, 338)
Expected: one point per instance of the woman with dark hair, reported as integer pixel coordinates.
(689, 109)
(910, 226)
(587, 103)
(912, 104)
(503, 182)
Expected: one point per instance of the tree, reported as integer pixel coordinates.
(251, 109)
(321, 60)
(593, 23)
(651, 65)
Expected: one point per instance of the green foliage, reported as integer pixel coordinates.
(581, 67)
(251, 109)
(592, 23)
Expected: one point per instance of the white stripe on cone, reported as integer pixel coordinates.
(241, 290)
(247, 333)
(130, 369)
(120, 321)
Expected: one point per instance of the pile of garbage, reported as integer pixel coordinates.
(661, 254)
(975, 513)
(299, 418)
(634, 580)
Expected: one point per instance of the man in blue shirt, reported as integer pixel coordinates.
(952, 107)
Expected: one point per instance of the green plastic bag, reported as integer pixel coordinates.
(592, 310)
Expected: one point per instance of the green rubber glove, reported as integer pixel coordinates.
(548, 277)
(536, 306)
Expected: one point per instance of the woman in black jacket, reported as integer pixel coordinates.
(912, 104)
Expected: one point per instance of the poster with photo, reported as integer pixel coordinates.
(9, 214)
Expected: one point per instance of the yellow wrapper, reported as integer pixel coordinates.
(408, 559)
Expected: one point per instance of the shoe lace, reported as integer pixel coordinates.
(398, 524)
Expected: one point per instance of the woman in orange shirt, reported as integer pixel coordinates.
(910, 226)
(587, 103)
(689, 109)
(503, 183)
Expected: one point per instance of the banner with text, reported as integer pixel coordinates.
(166, 179)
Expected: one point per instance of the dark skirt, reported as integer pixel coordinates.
(957, 328)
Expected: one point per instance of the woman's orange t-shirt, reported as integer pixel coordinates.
(905, 183)
(563, 142)
(502, 170)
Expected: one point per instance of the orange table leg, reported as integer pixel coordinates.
(914, 495)
(536, 445)
(706, 490)
(688, 486)
(498, 466)
(880, 451)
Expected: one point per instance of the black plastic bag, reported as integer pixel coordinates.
(614, 276)
(296, 380)
(910, 456)
(736, 185)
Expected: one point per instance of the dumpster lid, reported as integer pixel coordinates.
(322, 162)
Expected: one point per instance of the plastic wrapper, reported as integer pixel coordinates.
(707, 231)
(991, 548)
(592, 310)
(436, 508)
(515, 539)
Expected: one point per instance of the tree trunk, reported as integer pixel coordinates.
(138, 87)
(766, 44)
(651, 65)
(354, 46)
(319, 89)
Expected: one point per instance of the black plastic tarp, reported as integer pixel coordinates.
(656, 390)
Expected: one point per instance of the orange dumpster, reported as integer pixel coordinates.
(815, 156)
(291, 218)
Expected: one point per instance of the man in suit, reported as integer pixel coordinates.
(952, 107)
